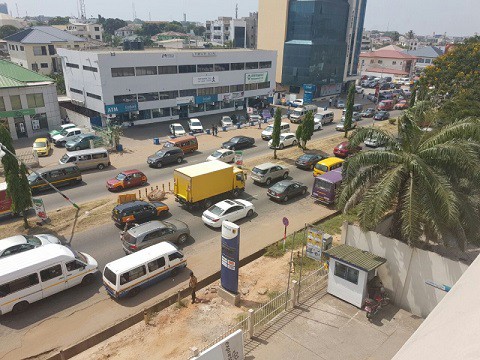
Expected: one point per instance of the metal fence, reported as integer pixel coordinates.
(243, 325)
(269, 310)
(311, 284)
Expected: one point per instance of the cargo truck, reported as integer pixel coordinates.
(206, 183)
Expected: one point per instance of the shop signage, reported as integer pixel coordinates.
(17, 113)
(185, 100)
(203, 54)
(39, 207)
(208, 79)
(230, 348)
(168, 56)
(255, 78)
(206, 99)
(121, 108)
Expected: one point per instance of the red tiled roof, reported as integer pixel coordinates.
(386, 71)
(390, 51)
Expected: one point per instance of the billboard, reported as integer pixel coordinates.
(314, 243)
(121, 108)
(255, 78)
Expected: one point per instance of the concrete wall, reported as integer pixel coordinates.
(82, 121)
(407, 269)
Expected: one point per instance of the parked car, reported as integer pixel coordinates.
(407, 93)
(308, 161)
(285, 190)
(267, 172)
(267, 133)
(138, 211)
(343, 150)
(224, 155)
(81, 142)
(381, 115)
(66, 135)
(255, 118)
(373, 142)
(359, 90)
(340, 104)
(195, 125)
(341, 125)
(177, 129)
(286, 139)
(372, 98)
(42, 146)
(296, 103)
(230, 210)
(238, 142)
(166, 156)
(52, 133)
(127, 179)
(20, 243)
(226, 121)
(153, 232)
(368, 113)
(401, 105)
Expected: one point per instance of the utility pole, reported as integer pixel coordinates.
(83, 13)
(134, 13)
(18, 14)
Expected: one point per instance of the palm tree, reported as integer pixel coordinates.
(426, 181)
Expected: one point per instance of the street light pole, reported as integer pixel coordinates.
(4, 149)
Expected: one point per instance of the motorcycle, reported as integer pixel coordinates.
(377, 300)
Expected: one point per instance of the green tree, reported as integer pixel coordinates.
(428, 183)
(18, 188)
(7, 30)
(59, 82)
(58, 20)
(413, 97)
(306, 132)
(349, 108)
(277, 121)
(110, 24)
(299, 134)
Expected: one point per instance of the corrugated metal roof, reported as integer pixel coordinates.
(43, 35)
(6, 82)
(13, 75)
(427, 51)
(362, 259)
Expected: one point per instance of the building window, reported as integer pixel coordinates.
(252, 65)
(221, 90)
(21, 48)
(205, 68)
(265, 64)
(44, 65)
(51, 50)
(234, 88)
(222, 67)
(427, 61)
(15, 102)
(146, 70)
(264, 85)
(156, 113)
(144, 114)
(76, 91)
(183, 69)
(217, 28)
(39, 121)
(165, 95)
(228, 104)
(39, 50)
(380, 61)
(195, 108)
(90, 68)
(188, 92)
(97, 28)
(152, 96)
(70, 65)
(206, 91)
(171, 69)
(120, 99)
(372, 61)
(97, 37)
(35, 67)
(212, 106)
(251, 87)
(394, 63)
(346, 272)
(421, 61)
(35, 100)
(237, 66)
(94, 96)
(124, 71)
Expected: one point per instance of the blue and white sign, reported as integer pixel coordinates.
(206, 99)
(121, 108)
(308, 93)
(230, 256)
(309, 88)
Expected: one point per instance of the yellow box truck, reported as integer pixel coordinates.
(205, 183)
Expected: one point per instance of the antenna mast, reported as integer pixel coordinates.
(236, 11)
(83, 13)
(134, 13)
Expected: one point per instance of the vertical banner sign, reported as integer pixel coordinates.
(308, 93)
(239, 158)
(39, 207)
(230, 256)
(314, 243)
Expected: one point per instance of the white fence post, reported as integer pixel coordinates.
(250, 323)
(294, 293)
(195, 351)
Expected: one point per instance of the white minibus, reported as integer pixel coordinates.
(87, 159)
(129, 274)
(35, 274)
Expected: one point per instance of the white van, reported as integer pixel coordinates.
(299, 113)
(35, 274)
(324, 116)
(267, 133)
(129, 274)
(87, 159)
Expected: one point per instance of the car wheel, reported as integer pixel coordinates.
(174, 271)
(250, 213)
(268, 181)
(182, 239)
(158, 165)
(285, 175)
(133, 292)
(304, 191)
(77, 148)
(285, 199)
(20, 307)
(179, 160)
(100, 167)
(236, 192)
(294, 142)
(88, 279)
(281, 146)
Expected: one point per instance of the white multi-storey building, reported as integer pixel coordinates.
(85, 29)
(227, 29)
(162, 85)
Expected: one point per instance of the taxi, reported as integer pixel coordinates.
(127, 179)
(42, 146)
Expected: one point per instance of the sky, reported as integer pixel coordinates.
(455, 17)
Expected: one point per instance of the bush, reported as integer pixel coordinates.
(392, 120)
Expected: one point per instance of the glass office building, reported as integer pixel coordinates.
(315, 46)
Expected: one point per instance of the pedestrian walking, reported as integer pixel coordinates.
(363, 95)
(259, 123)
(193, 286)
(216, 130)
(330, 102)
(213, 130)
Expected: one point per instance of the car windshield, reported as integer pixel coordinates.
(235, 140)
(160, 152)
(33, 240)
(297, 112)
(258, 171)
(76, 138)
(64, 132)
(195, 123)
(279, 187)
(110, 275)
(217, 154)
(121, 177)
(39, 144)
(342, 145)
(306, 157)
(215, 210)
(321, 167)
(269, 128)
(129, 238)
(178, 127)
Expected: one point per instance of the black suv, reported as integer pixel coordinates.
(138, 212)
(238, 142)
(166, 156)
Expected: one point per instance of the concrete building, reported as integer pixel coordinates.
(425, 57)
(226, 29)
(128, 30)
(35, 48)
(141, 87)
(390, 60)
(6, 19)
(28, 101)
(82, 29)
(317, 41)
(252, 30)
(4, 8)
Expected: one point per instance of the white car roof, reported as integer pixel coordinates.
(286, 134)
(12, 240)
(223, 150)
(177, 124)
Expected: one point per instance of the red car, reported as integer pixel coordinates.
(401, 105)
(342, 150)
(127, 179)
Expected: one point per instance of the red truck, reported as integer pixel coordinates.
(5, 201)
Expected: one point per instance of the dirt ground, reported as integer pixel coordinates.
(171, 333)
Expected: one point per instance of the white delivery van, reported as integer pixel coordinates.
(129, 274)
(35, 274)
(267, 133)
(299, 113)
(87, 159)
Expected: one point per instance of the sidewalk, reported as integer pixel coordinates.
(325, 327)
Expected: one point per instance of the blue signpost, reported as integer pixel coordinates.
(309, 93)
(230, 256)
